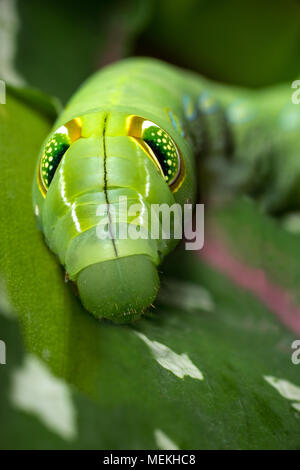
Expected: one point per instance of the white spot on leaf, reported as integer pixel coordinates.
(179, 364)
(37, 391)
(286, 389)
(185, 295)
(296, 406)
(163, 441)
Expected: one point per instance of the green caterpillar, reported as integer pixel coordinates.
(137, 129)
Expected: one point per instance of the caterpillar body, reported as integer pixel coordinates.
(137, 129)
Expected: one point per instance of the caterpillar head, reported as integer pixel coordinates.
(89, 162)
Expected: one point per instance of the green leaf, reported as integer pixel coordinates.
(47, 105)
(261, 242)
(204, 370)
(19, 428)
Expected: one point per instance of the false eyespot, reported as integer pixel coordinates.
(54, 150)
(161, 148)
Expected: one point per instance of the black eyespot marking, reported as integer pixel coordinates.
(54, 151)
(164, 150)
(161, 148)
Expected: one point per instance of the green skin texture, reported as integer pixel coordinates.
(253, 134)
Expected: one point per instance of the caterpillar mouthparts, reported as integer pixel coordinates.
(114, 289)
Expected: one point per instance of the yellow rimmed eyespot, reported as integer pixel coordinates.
(160, 147)
(54, 150)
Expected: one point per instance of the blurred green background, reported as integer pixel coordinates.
(251, 43)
